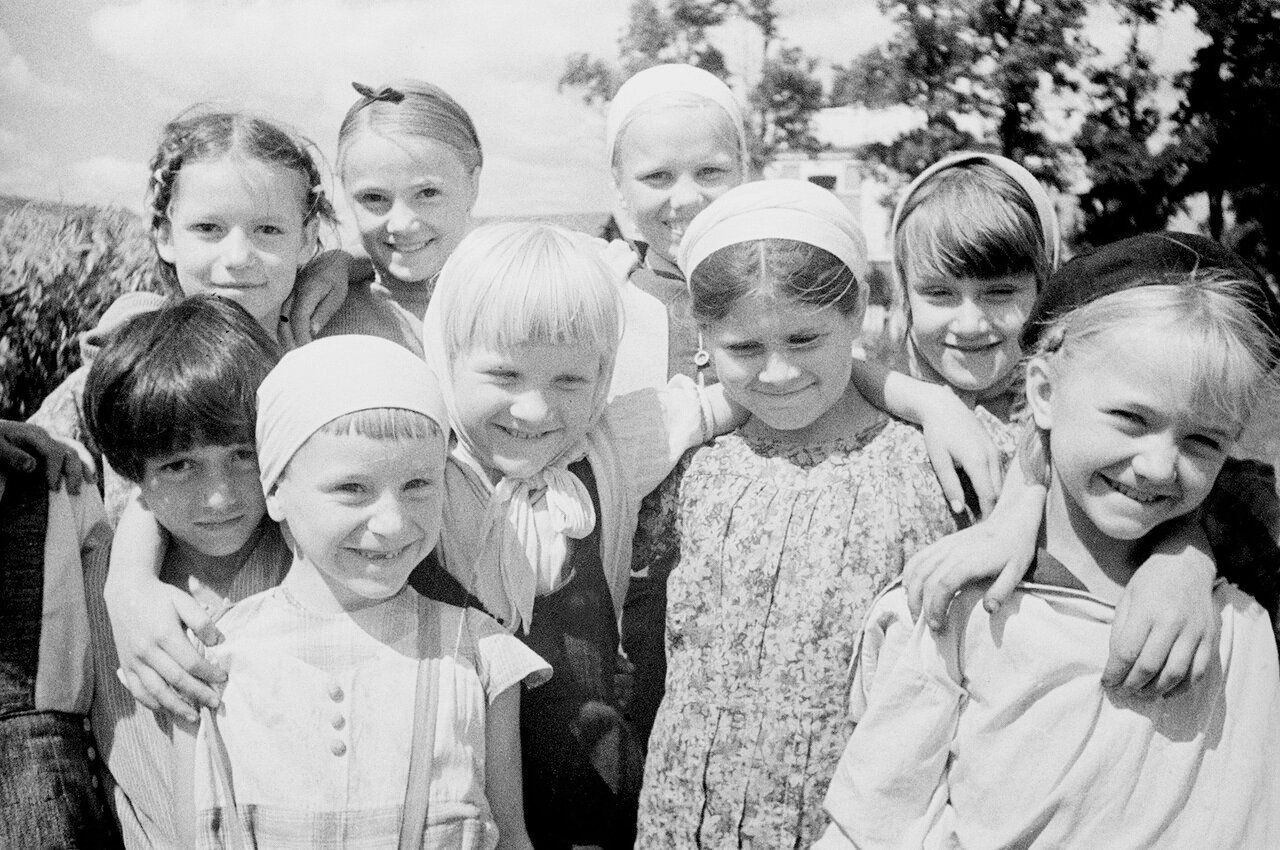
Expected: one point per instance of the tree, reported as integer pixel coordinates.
(979, 71)
(1228, 121)
(780, 105)
(1131, 183)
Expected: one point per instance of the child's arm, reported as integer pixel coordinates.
(158, 665)
(318, 293)
(24, 445)
(1166, 627)
(1000, 546)
(503, 783)
(953, 437)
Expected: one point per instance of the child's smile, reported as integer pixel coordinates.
(522, 409)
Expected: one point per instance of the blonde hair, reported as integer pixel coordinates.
(383, 423)
(414, 109)
(1228, 351)
(516, 283)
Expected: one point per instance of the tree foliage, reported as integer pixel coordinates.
(980, 72)
(780, 105)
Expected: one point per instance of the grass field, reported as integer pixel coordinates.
(60, 267)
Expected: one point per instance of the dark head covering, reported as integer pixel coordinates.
(1142, 261)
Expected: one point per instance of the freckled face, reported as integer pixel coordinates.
(207, 497)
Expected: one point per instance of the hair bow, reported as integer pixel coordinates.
(386, 93)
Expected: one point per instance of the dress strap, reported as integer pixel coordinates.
(417, 793)
(234, 833)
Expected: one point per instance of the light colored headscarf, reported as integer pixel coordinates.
(776, 209)
(316, 383)
(520, 526)
(662, 80)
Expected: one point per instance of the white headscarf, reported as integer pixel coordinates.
(666, 80)
(318, 382)
(776, 209)
(520, 526)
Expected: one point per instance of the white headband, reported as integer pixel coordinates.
(670, 79)
(331, 377)
(1045, 211)
(776, 209)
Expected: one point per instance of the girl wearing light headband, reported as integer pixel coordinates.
(785, 530)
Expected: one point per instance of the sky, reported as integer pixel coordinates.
(85, 85)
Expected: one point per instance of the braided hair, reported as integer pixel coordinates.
(198, 135)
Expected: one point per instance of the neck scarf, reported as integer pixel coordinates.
(512, 535)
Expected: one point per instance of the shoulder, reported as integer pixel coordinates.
(368, 312)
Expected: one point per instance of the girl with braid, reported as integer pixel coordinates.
(235, 204)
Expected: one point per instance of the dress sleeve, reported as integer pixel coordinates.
(890, 786)
(652, 429)
(502, 660)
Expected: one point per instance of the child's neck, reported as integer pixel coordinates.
(849, 415)
(1102, 564)
(308, 586)
(208, 578)
(659, 263)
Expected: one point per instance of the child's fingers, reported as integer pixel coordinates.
(952, 489)
(917, 571)
(1126, 645)
(152, 691)
(195, 618)
(1004, 585)
(1176, 671)
(178, 673)
(14, 458)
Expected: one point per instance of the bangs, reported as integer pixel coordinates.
(511, 285)
(384, 423)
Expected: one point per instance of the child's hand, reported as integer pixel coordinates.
(158, 665)
(1166, 627)
(953, 437)
(935, 574)
(318, 292)
(23, 446)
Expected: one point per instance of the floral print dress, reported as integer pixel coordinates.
(782, 550)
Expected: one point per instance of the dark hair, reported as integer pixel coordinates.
(201, 136)
(779, 267)
(411, 108)
(182, 376)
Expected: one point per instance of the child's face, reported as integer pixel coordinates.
(671, 163)
(786, 362)
(967, 329)
(364, 512)
(521, 408)
(1128, 447)
(208, 497)
(412, 199)
(235, 228)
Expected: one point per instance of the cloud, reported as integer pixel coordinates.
(18, 80)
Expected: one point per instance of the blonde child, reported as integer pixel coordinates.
(785, 529)
(358, 711)
(409, 160)
(235, 205)
(170, 401)
(998, 732)
(544, 485)
(974, 237)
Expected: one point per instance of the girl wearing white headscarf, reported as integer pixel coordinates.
(544, 485)
(785, 530)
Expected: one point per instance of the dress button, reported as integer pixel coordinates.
(94, 781)
(93, 754)
(88, 727)
(335, 693)
(337, 748)
(338, 721)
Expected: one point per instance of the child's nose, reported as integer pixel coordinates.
(237, 249)
(970, 319)
(778, 369)
(530, 406)
(220, 491)
(386, 519)
(1157, 462)
(402, 218)
(686, 193)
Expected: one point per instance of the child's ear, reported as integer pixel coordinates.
(310, 241)
(274, 509)
(163, 236)
(1040, 392)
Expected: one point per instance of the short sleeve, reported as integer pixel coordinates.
(502, 660)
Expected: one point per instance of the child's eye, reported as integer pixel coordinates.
(204, 228)
(572, 382)
(419, 484)
(429, 192)
(801, 340)
(375, 202)
(502, 375)
(246, 456)
(1208, 442)
(270, 230)
(656, 178)
(176, 467)
(350, 488)
(1127, 418)
(744, 349)
(934, 293)
(712, 174)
